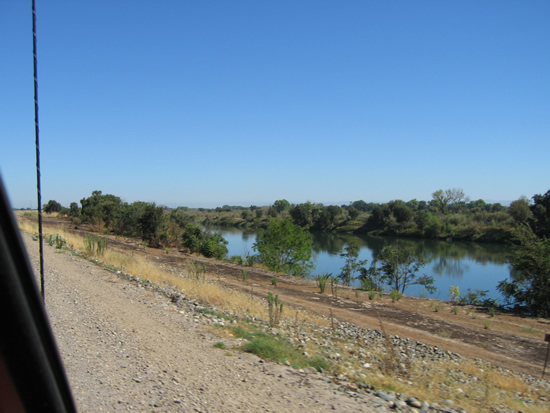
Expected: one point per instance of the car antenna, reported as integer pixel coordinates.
(37, 144)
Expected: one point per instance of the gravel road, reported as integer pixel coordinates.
(126, 348)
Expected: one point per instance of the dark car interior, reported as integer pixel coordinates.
(32, 377)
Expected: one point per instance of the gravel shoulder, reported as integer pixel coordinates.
(126, 348)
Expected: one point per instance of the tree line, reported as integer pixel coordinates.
(448, 215)
(284, 240)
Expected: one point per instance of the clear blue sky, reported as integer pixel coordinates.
(206, 103)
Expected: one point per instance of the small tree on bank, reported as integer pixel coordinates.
(352, 263)
(285, 247)
(399, 269)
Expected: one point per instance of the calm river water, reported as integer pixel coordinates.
(465, 264)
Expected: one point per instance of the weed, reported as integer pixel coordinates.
(275, 309)
(244, 275)
(487, 326)
(372, 294)
(322, 281)
(396, 295)
(95, 245)
(492, 311)
(455, 309)
(197, 271)
(274, 281)
(220, 344)
(334, 285)
(455, 294)
(277, 349)
(436, 308)
(356, 293)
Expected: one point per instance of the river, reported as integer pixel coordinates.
(468, 265)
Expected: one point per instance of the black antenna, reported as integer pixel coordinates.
(36, 134)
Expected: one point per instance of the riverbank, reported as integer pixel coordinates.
(508, 344)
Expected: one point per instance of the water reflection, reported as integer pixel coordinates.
(469, 265)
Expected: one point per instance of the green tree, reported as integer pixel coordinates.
(328, 217)
(399, 267)
(353, 213)
(302, 214)
(285, 247)
(352, 264)
(519, 209)
(52, 206)
(444, 200)
(541, 214)
(101, 208)
(74, 210)
(211, 245)
(281, 205)
(400, 211)
(529, 288)
(149, 222)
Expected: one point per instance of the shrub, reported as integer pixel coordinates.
(322, 281)
(396, 295)
(275, 309)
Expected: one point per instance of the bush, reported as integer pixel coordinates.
(529, 289)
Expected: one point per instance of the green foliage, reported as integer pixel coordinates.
(211, 245)
(275, 309)
(529, 288)
(52, 206)
(220, 344)
(519, 210)
(455, 309)
(237, 259)
(274, 348)
(322, 280)
(448, 200)
(274, 281)
(399, 269)
(56, 240)
(352, 264)
(148, 224)
(101, 209)
(74, 210)
(474, 297)
(281, 205)
(95, 245)
(396, 295)
(244, 275)
(541, 215)
(285, 247)
(454, 295)
(334, 285)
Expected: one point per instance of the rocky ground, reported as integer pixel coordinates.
(131, 346)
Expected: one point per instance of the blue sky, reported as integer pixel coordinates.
(206, 103)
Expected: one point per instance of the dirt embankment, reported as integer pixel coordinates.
(507, 340)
